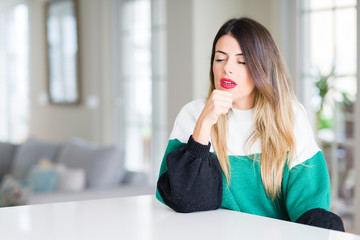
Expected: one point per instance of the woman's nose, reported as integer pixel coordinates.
(228, 68)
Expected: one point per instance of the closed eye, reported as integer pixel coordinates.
(242, 63)
(219, 60)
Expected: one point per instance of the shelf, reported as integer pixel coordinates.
(345, 142)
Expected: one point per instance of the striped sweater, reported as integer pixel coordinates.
(191, 179)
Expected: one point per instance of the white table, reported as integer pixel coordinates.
(143, 217)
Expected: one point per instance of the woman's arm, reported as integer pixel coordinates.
(319, 217)
(306, 184)
(308, 194)
(193, 180)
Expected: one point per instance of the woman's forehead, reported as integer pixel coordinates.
(227, 44)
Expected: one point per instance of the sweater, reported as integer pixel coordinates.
(191, 178)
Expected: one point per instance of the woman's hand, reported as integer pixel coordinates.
(218, 104)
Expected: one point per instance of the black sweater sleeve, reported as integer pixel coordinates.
(319, 217)
(193, 181)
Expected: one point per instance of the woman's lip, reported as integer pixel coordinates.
(227, 83)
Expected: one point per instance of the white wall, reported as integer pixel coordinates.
(208, 17)
(59, 122)
(179, 56)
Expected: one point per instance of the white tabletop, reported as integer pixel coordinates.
(143, 217)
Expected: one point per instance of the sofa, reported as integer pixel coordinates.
(39, 171)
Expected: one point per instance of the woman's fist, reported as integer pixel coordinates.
(217, 104)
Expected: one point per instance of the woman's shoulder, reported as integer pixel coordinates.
(298, 108)
(306, 145)
(301, 116)
(302, 123)
(194, 107)
(185, 121)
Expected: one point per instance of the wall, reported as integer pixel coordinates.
(206, 23)
(59, 122)
(191, 27)
(179, 56)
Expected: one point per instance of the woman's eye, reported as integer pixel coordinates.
(219, 60)
(242, 63)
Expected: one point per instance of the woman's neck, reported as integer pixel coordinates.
(245, 103)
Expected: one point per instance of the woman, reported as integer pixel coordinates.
(249, 147)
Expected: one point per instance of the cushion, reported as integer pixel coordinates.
(14, 192)
(43, 179)
(133, 178)
(104, 166)
(29, 153)
(70, 179)
(7, 151)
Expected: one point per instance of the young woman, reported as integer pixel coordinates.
(249, 146)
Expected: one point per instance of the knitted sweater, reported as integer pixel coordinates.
(191, 179)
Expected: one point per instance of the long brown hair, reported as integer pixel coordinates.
(273, 117)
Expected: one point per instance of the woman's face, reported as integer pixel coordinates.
(231, 73)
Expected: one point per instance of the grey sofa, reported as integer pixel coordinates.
(91, 172)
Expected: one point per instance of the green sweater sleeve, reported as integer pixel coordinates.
(307, 186)
(172, 145)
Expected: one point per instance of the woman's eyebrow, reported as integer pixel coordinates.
(239, 54)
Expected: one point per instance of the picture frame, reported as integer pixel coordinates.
(62, 51)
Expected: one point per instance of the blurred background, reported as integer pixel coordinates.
(116, 73)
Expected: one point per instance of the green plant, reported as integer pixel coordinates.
(324, 86)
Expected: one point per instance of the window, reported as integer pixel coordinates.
(140, 82)
(14, 82)
(329, 78)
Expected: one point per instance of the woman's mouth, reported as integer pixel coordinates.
(227, 83)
